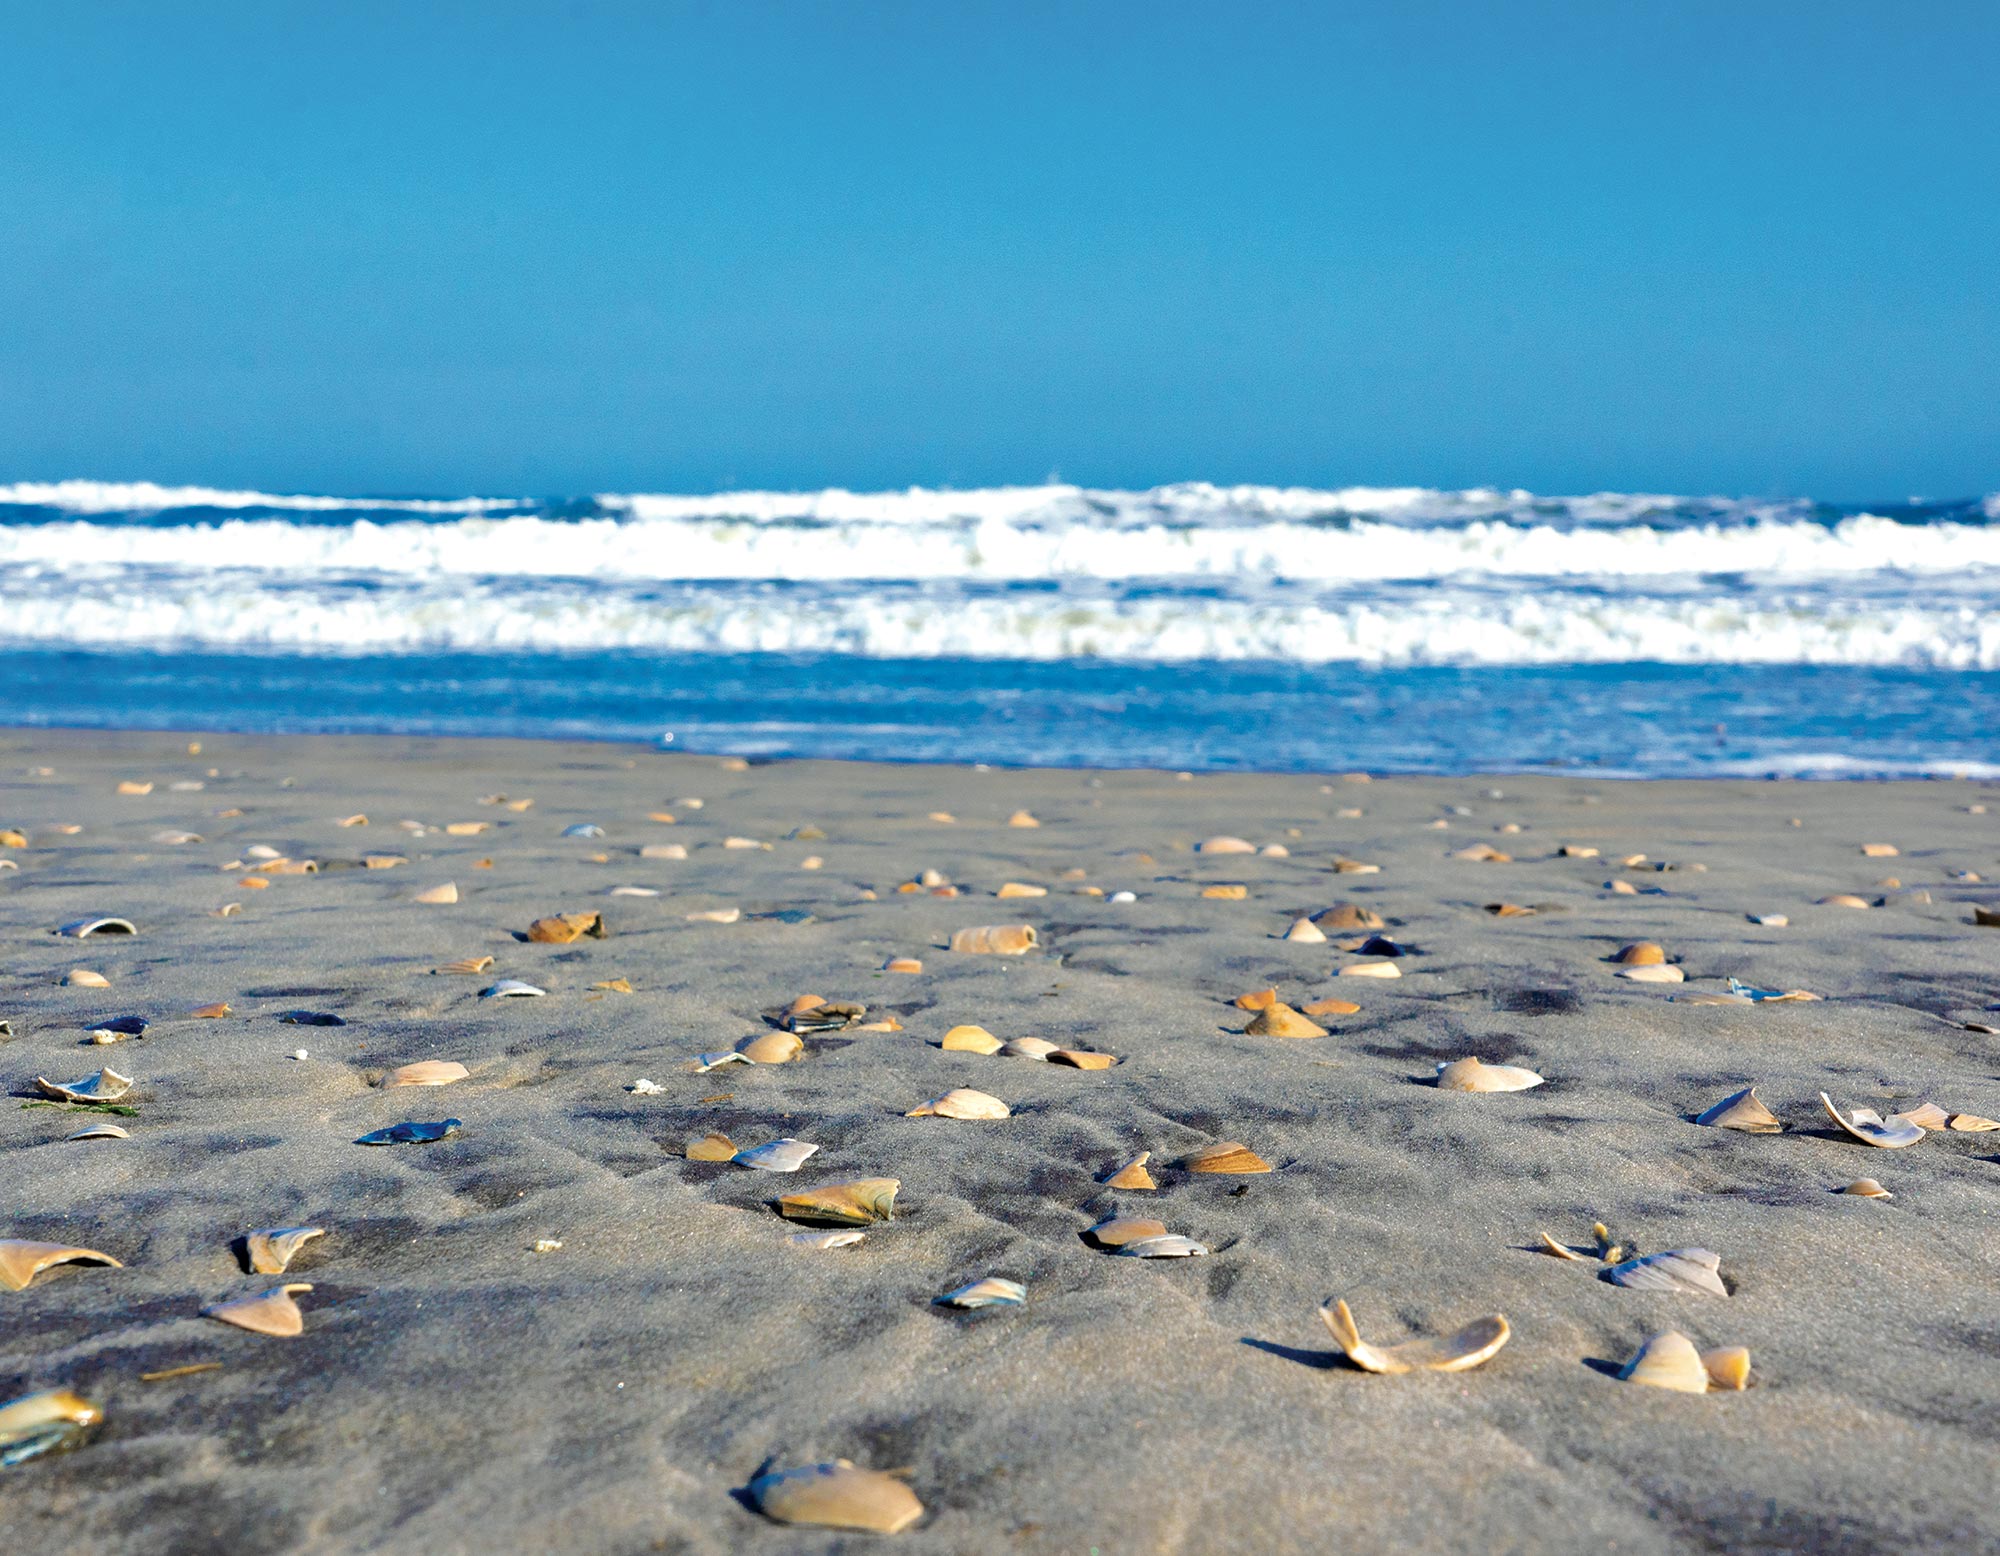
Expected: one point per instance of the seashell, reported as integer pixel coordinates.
(448, 892)
(1987, 917)
(1867, 1188)
(1261, 999)
(1641, 953)
(583, 829)
(771, 1048)
(827, 1240)
(1123, 896)
(101, 1132)
(1082, 1059)
(253, 882)
(1575, 851)
(1468, 1074)
(562, 928)
(1728, 1366)
(411, 1133)
(1228, 1157)
(84, 928)
(1880, 850)
(743, 842)
(1028, 1048)
(1329, 1007)
(858, 1203)
(382, 861)
(1478, 1341)
(1021, 818)
(703, 1063)
(1652, 974)
(1117, 1231)
(1925, 1115)
(645, 1088)
(633, 891)
(711, 1148)
(1132, 1175)
(310, 1018)
(614, 985)
(1770, 920)
(427, 1072)
(12, 838)
(1020, 889)
(1510, 910)
(1972, 1124)
(1621, 888)
(1871, 1128)
(106, 1085)
(467, 966)
(1483, 853)
(292, 867)
(1562, 1250)
(1225, 845)
(1371, 970)
(261, 851)
(52, 1421)
(512, 989)
(1843, 899)
(21, 1261)
(213, 1012)
(838, 1495)
(995, 940)
(1741, 1110)
(1171, 1246)
(785, 1155)
(358, 819)
(1677, 1269)
(466, 828)
(664, 851)
(1305, 932)
(131, 786)
(903, 964)
(84, 978)
(1226, 893)
(270, 1252)
(962, 1102)
(990, 1292)
(1281, 1020)
(272, 1312)
(715, 916)
(971, 1040)
(1354, 867)
(1668, 1361)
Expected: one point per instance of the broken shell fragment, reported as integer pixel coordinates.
(711, 1147)
(1667, 1361)
(1171, 1246)
(1226, 893)
(824, 1241)
(84, 928)
(21, 1262)
(1349, 915)
(1483, 853)
(1871, 1128)
(1728, 1367)
(1304, 932)
(101, 1132)
(838, 1495)
(412, 1133)
(213, 1012)
(1972, 1124)
(1925, 1115)
(52, 1421)
(106, 1085)
(771, 1048)
(1476, 1342)
(1880, 850)
(272, 1312)
(1741, 1110)
(970, 1040)
(448, 892)
(1645, 973)
(1117, 1231)
(1280, 1020)
(1082, 1059)
(1866, 1188)
(1561, 1250)
(903, 964)
(1028, 1048)
(466, 966)
(1677, 1269)
(427, 1072)
(1021, 889)
(1371, 970)
(562, 928)
(859, 1203)
(1132, 1175)
(990, 1292)
(1225, 1157)
(1468, 1074)
(786, 1155)
(962, 1102)
(271, 1251)
(1330, 1007)
(995, 940)
(1021, 818)
(512, 989)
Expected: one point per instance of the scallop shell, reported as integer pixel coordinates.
(1869, 1127)
(993, 1291)
(1641, 953)
(1282, 1021)
(107, 1085)
(824, 1241)
(962, 1102)
(858, 1203)
(51, 1421)
(1117, 1231)
(562, 928)
(1742, 1110)
(1469, 1074)
(1677, 1269)
(1668, 1361)
(1867, 1188)
(84, 928)
(1226, 1156)
(1349, 915)
(1329, 1007)
(84, 978)
(995, 940)
(771, 1048)
(711, 1147)
(448, 892)
(1478, 1341)
(101, 1132)
(1728, 1366)
(270, 1252)
(1028, 1048)
(1083, 1059)
(1304, 932)
(512, 989)
(1132, 1175)
(21, 1261)
(1171, 1246)
(271, 1312)
(427, 1072)
(838, 1495)
(785, 1155)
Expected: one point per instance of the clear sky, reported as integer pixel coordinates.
(1750, 246)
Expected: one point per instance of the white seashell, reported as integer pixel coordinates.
(1668, 1361)
(1770, 920)
(1029, 1048)
(271, 1250)
(645, 1088)
(1225, 845)
(1122, 896)
(22, 1261)
(106, 1085)
(1659, 972)
(101, 1132)
(583, 829)
(1171, 1246)
(777, 1156)
(990, 1292)
(1678, 1269)
(1305, 932)
(85, 978)
(84, 928)
(825, 1241)
(1469, 1074)
(837, 1496)
(512, 989)
(448, 892)
(1371, 970)
(1866, 1188)
(706, 1062)
(632, 891)
(962, 1102)
(1741, 1110)
(664, 851)
(1871, 1128)
(1468, 1347)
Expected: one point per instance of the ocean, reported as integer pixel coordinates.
(1186, 627)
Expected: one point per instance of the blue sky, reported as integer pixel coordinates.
(563, 248)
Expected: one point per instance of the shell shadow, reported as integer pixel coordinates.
(1319, 1361)
(1610, 1369)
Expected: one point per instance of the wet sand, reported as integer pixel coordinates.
(455, 1390)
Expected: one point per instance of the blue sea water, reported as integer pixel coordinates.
(1185, 627)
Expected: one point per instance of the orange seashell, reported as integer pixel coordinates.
(1226, 893)
(1133, 1175)
(1281, 1020)
(212, 1012)
(1226, 1157)
(995, 940)
(565, 927)
(1330, 1007)
(1261, 999)
(272, 1312)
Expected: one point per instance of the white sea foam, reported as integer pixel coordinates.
(104, 497)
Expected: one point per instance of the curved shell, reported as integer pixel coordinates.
(771, 1048)
(1117, 1231)
(1651, 973)
(101, 1132)
(971, 1040)
(427, 1072)
(1478, 1341)
(107, 1085)
(1029, 1048)
(962, 1102)
(1866, 1188)
(903, 964)
(1972, 1123)
(562, 928)
(1349, 915)
(1305, 932)
(776, 1156)
(1226, 1156)
(859, 1203)
(1728, 1366)
(84, 928)
(825, 1241)
(270, 1312)
(837, 1496)
(85, 978)
(1280, 1020)
(47, 1422)
(271, 1251)
(1667, 1361)
(1677, 1269)
(1371, 970)
(1083, 1059)
(1640, 953)
(1020, 889)
(22, 1261)
(1330, 1007)
(1871, 1128)
(1133, 1174)
(512, 989)
(993, 1291)
(1225, 845)
(1171, 1246)
(1843, 899)
(995, 940)
(1468, 1074)
(711, 1148)
(1925, 1115)
(1741, 1110)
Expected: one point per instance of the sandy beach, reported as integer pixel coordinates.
(462, 1386)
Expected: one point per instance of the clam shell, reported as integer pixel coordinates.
(1021, 889)
(427, 1072)
(1225, 845)
(1349, 915)
(84, 978)
(824, 1241)
(711, 1148)
(1478, 1341)
(785, 1155)
(48, 1422)
(1117, 1231)
(1371, 970)
(107, 1085)
(858, 1203)
(1132, 1175)
(271, 1312)
(1649, 974)
(771, 1048)
(1871, 1128)
(512, 989)
(1668, 1361)
(101, 1132)
(990, 1292)
(447, 892)
(1867, 1188)
(1281, 1020)
(1469, 1074)
(971, 1040)
(1742, 1110)
(1926, 1115)
(839, 1495)
(562, 928)
(1082, 1059)
(1972, 1124)
(1641, 953)
(1226, 1156)
(1028, 1048)
(1329, 1007)
(1171, 1246)
(21, 1261)
(995, 940)
(1305, 932)
(84, 928)
(1677, 1269)
(1728, 1366)
(961, 1102)
(1843, 899)
(271, 1251)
